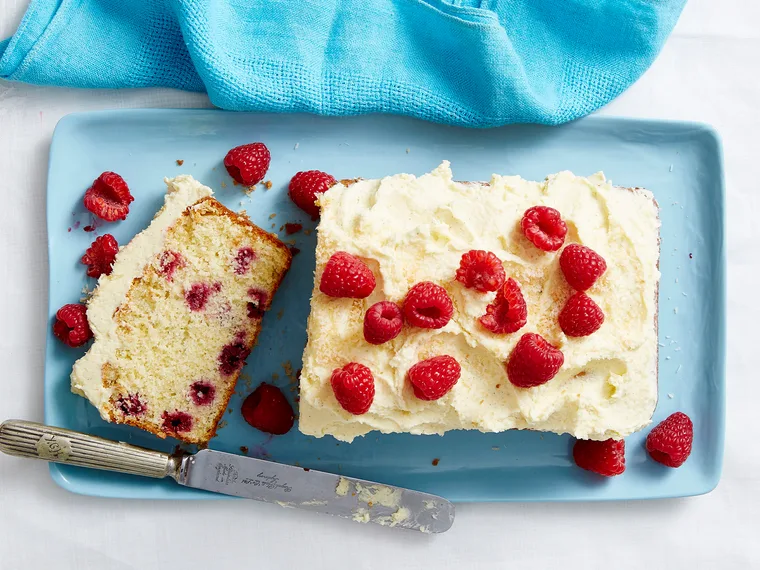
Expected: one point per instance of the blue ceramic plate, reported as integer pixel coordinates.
(679, 162)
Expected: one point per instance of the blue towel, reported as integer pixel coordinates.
(477, 63)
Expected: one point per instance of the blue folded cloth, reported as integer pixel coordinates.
(477, 63)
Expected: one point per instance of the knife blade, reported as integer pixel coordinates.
(229, 474)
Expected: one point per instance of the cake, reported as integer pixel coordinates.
(409, 230)
(178, 315)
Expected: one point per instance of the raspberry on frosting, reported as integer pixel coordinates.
(433, 378)
(544, 227)
(533, 361)
(428, 306)
(346, 275)
(354, 387)
(481, 270)
(382, 322)
(580, 316)
(581, 266)
(508, 313)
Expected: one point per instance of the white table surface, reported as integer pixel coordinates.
(708, 71)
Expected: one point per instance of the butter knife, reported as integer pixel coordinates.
(229, 474)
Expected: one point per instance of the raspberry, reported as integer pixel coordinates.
(428, 306)
(544, 228)
(346, 275)
(533, 361)
(305, 186)
(71, 326)
(354, 387)
(100, 255)
(248, 163)
(603, 457)
(670, 442)
(108, 197)
(580, 316)
(202, 393)
(433, 378)
(508, 313)
(267, 409)
(232, 358)
(177, 422)
(581, 265)
(382, 322)
(131, 405)
(243, 259)
(198, 295)
(169, 262)
(481, 270)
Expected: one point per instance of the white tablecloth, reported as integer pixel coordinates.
(708, 71)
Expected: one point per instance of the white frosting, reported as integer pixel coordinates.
(412, 229)
(183, 191)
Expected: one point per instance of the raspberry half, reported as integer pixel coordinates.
(71, 326)
(581, 266)
(606, 457)
(354, 387)
(580, 316)
(433, 378)
(533, 361)
(304, 188)
(670, 442)
(508, 313)
(346, 275)
(176, 422)
(267, 409)
(481, 270)
(108, 197)
(100, 256)
(544, 227)
(382, 322)
(248, 163)
(428, 306)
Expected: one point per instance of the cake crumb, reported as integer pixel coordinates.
(250, 190)
(435, 462)
(235, 182)
(495, 448)
(222, 425)
(307, 232)
(280, 314)
(268, 184)
(180, 162)
(273, 226)
(224, 184)
(244, 449)
(498, 386)
(272, 216)
(291, 229)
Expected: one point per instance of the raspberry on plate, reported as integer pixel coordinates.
(305, 186)
(432, 379)
(100, 255)
(533, 361)
(248, 163)
(428, 306)
(606, 457)
(346, 275)
(544, 227)
(267, 409)
(581, 265)
(580, 316)
(508, 313)
(382, 322)
(481, 270)
(670, 442)
(109, 197)
(71, 326)
(354, 387)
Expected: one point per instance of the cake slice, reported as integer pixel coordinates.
(409, 230)
(178, 315)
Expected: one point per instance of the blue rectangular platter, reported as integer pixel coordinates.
(680, 162)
